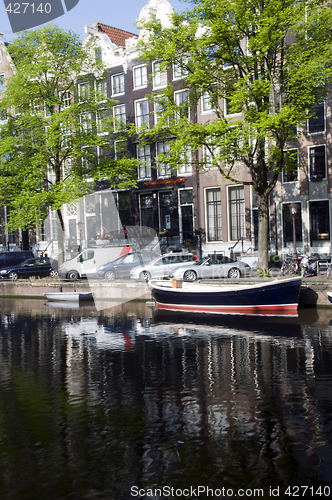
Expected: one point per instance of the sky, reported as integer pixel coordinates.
(118, 13)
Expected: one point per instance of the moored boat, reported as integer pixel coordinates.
(268, 298)
(329, 296)
(69, 296)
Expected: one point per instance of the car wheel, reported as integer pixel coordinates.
(110, 275)
(73, 275)
(190, 275)
(13, 275)
(145, 275)
(234, 273)
(53, 273)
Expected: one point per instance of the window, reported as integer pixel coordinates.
(118, 84)
(83, 91)
(144, 156)
(287, 223)
(98, 54)
(236, 212)
(159, 76)
(140, 77)
(317, 163)
(159, 108)
(316, 123)
(290, 172)
(319, 214)
(142, 113)
(86, 123)
(101, 90)
(186, 167)
(182, 101)
(211, 153)
(164, 170)
(2, 83)
(119, 114)
(102, 117)
(213, 214)
(120, 149)
(180, 69)
(207, 104)
(65, 99)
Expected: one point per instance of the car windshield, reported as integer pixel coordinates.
(203, 261)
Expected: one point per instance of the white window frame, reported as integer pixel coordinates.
(86, 92)
(138, 117)
(229, 188)
(146, 166)
(159, 78)
(187, 168)
(141, 80)
(178, 72)
(309, 165)
(118, 75)
(65, 98)
(219, 229)
(163, 169)
(321, 131)
(119, 124)
(101, 88)
(177, 101)
(206, 98)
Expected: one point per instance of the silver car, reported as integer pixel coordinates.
(162, 266)
(212, 268)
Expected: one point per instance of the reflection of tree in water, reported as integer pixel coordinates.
(185, 405)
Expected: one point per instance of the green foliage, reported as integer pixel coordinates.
(56, 142)
(263, 66)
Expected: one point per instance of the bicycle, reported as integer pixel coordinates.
(290, 266)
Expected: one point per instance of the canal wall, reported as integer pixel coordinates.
(313, 290)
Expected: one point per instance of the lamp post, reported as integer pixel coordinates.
(79, 227)
(293, 210)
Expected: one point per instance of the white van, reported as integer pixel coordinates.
(85, 264)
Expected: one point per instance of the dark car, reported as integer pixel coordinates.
(31, 267)
(14, 258)
(121, 267)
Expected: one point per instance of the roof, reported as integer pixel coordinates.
(116, 35)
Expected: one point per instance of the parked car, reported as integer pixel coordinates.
(13, 258)
(30, 267)
(162, 266)
(212, 268)
(121, 267)
(86, 263)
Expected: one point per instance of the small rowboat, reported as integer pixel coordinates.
(329, 296)
(69, 296)
(266, 298)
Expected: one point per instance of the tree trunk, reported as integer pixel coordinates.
(263, 231)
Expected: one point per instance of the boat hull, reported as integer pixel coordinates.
(69, 296)
(277, 297)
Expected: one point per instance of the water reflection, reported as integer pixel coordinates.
(94, 403)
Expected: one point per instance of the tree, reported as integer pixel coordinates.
(56, 141)
(268, 60)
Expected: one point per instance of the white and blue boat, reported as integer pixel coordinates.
(277, 297)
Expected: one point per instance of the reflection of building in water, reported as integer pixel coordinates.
(174, 391)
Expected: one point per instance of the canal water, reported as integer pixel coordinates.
(129, 403)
